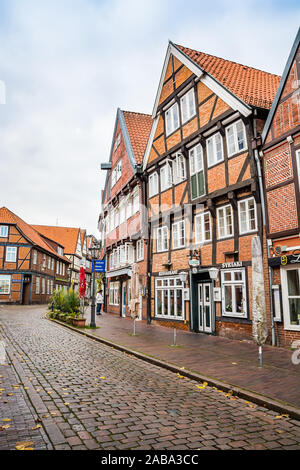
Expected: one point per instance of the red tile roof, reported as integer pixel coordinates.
(8, 217)
(253, 86)
(139, 127)
(66, 236)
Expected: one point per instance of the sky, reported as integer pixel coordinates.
(67, 65)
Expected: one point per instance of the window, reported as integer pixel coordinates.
(37, 285)
(3, 231)
(214, 147)
(162, 239)
(49, 262)
(236, 138)
(116, 173)
(178, 167)
(298, 161)
(169, 302)
(51, 288)
(203, 228)
(136, 201)
(44, 261)
(48, 286)
(247, 215)
(57, 266)
(234, 293)
(122, 255)
(178, 234)
(60, 251)
(187, 104)
(130, 253)
(11, 254)
(172, 119)
(117, 142)
(291, 297)
(34, 260)
(43, 285)
(114, 293)
(196, 172)
(122, 211)
(225, 226)
(52, 264)
(140, 250)
(165, 177)
(129, 207)
(4, 284)
(116, 217)
(153, 184)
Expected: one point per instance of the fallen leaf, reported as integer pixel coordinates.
(6, 420)
(25, 445)
(103, 378)
(38, 426)
(66, 404)
(234, 363)
(9, 394)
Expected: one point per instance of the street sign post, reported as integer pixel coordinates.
(98, 266)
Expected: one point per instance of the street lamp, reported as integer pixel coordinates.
(213, 273)
(94, 253)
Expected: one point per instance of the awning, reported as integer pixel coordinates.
(119, 272)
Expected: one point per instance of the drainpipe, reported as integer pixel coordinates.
(260, 181)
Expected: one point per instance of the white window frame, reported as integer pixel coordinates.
(6, 282)
(286, 296)
(169, 118)
(233, 126)
(188, 106)
(178, 169)
(200, 234)
(129, 207)
(196, 167)
(298, 162)
(34, 257)
(176, 234)
(246, 202)
(3, 231)
(140, 246)
(153, 184)
(165, 285)
(114, 293)
(122, 213)
(43, 286)
(234, 283)
(162, 236)
(212, 159)
(166, 176)
(49, 262)
(227, 234)
(11, 254)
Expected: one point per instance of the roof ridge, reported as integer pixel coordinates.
(228, 60)
(56, 226)
(136, 112)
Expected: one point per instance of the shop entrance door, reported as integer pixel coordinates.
(204, 308)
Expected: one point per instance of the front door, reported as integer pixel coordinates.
(124, 299)
(204, 308)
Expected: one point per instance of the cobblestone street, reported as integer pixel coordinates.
(85, 395)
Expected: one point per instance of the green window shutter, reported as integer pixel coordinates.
(194, 186)
(201, 187)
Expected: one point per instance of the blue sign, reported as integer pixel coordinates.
(98, 266)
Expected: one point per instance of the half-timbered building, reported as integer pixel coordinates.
(122, 222)
(203, 195)
(29, 262)
(281, 168)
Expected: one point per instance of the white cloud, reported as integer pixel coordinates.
(68, 66)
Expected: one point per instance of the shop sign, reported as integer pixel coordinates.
(285, 259)
(168, 273)
(194, 262)
(234, 264)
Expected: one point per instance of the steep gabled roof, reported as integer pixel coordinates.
(253, 86)
(135, 128)
(29, 232)
(281, 85)
(66, 236)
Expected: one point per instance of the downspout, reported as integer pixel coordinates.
(260, 182)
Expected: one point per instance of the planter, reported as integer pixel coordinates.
(80, 322)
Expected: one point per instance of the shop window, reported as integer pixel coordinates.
(234, 293)
(169, 301)
(5, 284)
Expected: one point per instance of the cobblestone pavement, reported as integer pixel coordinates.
(90, 396)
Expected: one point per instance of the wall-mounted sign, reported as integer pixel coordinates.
(168, 273)
(186, 294)
(194, 262)
(234, 264)
(217, 294)
(285, 259)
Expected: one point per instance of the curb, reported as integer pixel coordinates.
(260, 400)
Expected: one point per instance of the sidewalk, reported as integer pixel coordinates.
(231, 361)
